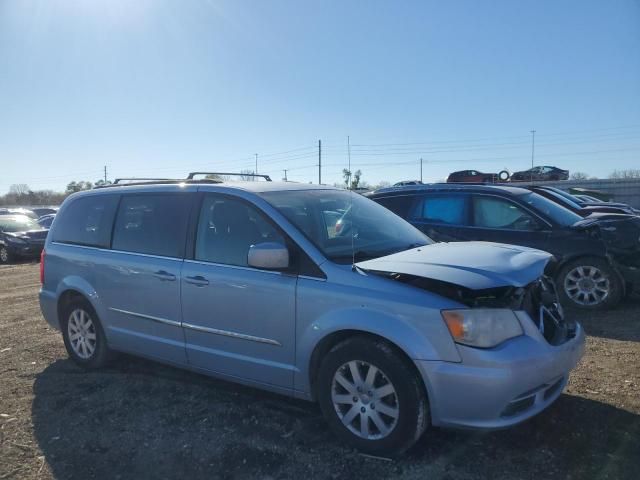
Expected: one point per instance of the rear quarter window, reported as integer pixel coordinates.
(86, 221)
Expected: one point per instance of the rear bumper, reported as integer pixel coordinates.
(499, 387)
(49, 308)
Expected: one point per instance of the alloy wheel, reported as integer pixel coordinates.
(82, 334)
(365, 400)
(587, 285)
(4, 255)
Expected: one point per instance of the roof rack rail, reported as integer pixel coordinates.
(225, 174)
(118, 181)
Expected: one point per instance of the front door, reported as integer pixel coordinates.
(238, 321)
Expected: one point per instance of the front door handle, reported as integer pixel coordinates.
(198, 281)
(164, 276)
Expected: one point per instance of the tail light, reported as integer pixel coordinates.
(42, 255)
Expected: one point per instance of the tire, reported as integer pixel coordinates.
(572, 289)
(5, 256)
(503, 175)
(402, 415)
(95, 353)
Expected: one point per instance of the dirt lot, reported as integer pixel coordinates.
(139, 419)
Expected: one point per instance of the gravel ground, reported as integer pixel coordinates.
(139, 419)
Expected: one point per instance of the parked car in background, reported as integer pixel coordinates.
(597, 258)
(387, 330)
(474, 176)
(407, 182)
(578, 206)
(540, 174)
(46, 220)
(42, 211)
(587, 198)
(20, 237)
(18, 211)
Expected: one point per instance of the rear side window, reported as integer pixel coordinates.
(398, 205)
(448, 209)
(152, 224)
(87, 221)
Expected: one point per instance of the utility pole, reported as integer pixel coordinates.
(349, 156)
(285, 174)
(105, 174)
(533, 146)
(421, 170)
(319, 162)
(256, 172)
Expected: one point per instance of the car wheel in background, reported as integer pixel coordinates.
(589, 283)
(5, 256)
(503, 175)
(83, 335)
(372, 397)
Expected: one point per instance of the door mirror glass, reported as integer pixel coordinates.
(268, 255)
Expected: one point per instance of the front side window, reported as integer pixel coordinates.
(447, 209)
(152, 224)
(87, 221)
(227, 227)
(493, 212)
(363, 228)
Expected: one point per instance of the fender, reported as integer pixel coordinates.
(80, 285)
(398, 329)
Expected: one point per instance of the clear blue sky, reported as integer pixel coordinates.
(160, 87)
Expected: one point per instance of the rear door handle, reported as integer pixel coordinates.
(198, 281)
(164, 276)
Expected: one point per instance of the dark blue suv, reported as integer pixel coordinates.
(597, 258)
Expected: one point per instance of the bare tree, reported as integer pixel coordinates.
(19, 189)
(579, 176)
(624, 174)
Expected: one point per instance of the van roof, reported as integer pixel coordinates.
(249, 186)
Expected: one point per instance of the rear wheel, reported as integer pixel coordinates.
(589, 283)
(83, 336)
(372, 397)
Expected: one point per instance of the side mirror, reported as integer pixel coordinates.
(268, 255)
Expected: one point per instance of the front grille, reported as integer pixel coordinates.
(543, 306)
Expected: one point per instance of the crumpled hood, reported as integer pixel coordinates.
(474, 265)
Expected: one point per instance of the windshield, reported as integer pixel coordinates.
(559, 214)
(568, 198)
(342, 223)
(17, 224)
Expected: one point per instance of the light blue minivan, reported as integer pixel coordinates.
(313, 292)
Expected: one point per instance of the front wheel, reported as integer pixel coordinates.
(5, 256)
(589, 283)
(372, 397)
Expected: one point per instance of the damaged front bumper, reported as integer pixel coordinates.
(501, 386)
